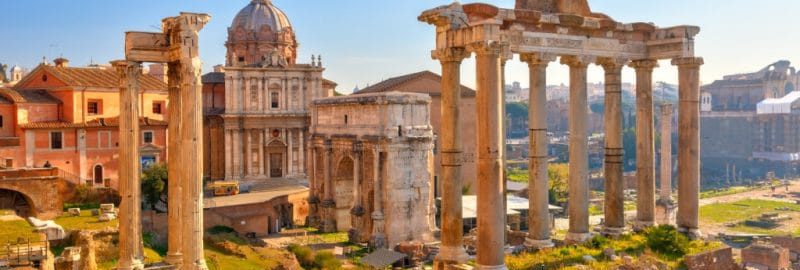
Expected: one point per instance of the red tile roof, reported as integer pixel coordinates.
(103, 122)
(98, 77)
(393, 83)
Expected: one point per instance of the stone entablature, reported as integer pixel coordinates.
(533, 31)
(372, 159)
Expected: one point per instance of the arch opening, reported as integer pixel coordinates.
(15, 203)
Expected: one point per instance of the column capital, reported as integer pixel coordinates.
(358, 148)
(581, 61)
(537, 59)
(644, 64)
(689, 62)
(328, 146)
(493, 48)
(125, 67)
(612, 64)
(450, 54)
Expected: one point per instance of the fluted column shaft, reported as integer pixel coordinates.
(130, 226)
(491, 214)
(378, 235)
(666, 152)
(645, 145)
(614, 206)
(175, 184)
(328, 203)
(578, 207)
(452, 250)
(688, 143)
(538, 185)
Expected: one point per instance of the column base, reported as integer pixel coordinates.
(175, 259)
(378, 241)
(535, 244)
(132, 265)
(691, 233)
(198, 265)
(450, 256)
(613, 231)
(640, 226)
(328, 226)
(491, 267)
(577, 238)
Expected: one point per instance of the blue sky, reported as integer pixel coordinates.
(365, 41)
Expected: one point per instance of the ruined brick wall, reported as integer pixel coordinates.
(720, 259)
(771, 256)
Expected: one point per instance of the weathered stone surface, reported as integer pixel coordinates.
(772, 257)
(720, 259)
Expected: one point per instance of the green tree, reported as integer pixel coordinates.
(517, 110)
(154, 185)
(558, 175)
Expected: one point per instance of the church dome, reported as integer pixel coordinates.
(261, 35)
(260, 13)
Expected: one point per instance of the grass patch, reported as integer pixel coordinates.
(635, 245)
(741, 210)
(84, 222)
(11, 231)
(727, 191)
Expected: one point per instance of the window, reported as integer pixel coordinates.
(94, 107)
(1, 121)
(147, 137)
(56, 139)
(275, 100)
(158, 107)
(345, 119)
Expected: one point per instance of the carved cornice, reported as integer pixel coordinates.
(451, 54)
(688, 62)
(644, 65)
(581, 61)
(537, 59)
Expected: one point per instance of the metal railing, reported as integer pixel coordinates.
(23, 254)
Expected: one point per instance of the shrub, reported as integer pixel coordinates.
(304, 255)
(326, 260)
(597, 242)
(219, 229)
(667, 240)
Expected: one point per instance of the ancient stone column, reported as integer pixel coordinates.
(175, 184)
(328, 203)
(578, 207)
(186, 28)
(378, 240)
(666, 152)
(538, 186)
(314, 198)
(645, 145)
(689, 144)
(614, 206)
(358, 210)
(491, 214)
(452, 249)
(130, 226)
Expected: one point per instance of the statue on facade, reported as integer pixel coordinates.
(3, 73)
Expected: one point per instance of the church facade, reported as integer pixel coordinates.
(257, 105)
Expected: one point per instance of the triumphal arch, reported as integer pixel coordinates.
(540, 31)
(177, 46)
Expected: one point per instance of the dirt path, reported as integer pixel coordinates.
(792, 195)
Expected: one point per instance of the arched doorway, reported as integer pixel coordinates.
(275, 157)
(98, 174)
(343, 192)
(16, 203)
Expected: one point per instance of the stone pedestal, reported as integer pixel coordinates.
(665, 212)
(578, 150)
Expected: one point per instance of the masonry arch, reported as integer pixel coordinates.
(17, 202)
(276, 158)
(343, 178)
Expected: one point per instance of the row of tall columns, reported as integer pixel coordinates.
(688, 144)
(538, 184)
(613, 168)
(451, 250)
(578, 206)
(490, 212)
(131, 256)
(645, 145)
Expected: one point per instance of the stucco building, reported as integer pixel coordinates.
(68, 117)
